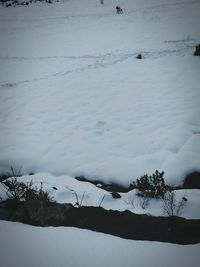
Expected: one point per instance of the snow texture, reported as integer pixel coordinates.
(75, 100)
(23, 245)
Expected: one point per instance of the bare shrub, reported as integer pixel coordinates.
(171, 206)
(14, 189)
(144, 201)
(79, 201)
(129, 199)
(102, 200)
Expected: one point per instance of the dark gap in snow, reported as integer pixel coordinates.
(110, 187)
(122, 224)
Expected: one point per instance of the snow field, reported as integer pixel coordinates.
(76, 101)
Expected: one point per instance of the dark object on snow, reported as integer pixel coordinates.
(119, 10)
(192, 181)
(139, 56)
(197, 51)
(116, 195)
(101, 1)
(55, 188)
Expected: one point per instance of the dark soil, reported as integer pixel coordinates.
(122, 224)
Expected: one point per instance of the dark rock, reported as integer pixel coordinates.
(119, 10)
(115, 195)
(55, 188)
(139, 56)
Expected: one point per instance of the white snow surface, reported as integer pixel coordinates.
(24, 245)
(74, 100)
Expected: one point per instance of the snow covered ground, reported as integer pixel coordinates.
(25, 245)
(74, 99)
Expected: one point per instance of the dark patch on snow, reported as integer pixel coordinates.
(122, 224)
(110, 187)
(115, 195)
(192, 181)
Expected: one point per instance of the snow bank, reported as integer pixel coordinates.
(23, 245)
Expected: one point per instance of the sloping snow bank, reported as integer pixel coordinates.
(23, 245)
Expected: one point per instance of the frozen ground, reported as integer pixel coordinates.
(74, 100)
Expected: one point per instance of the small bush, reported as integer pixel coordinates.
(171, 206)
(152, 186)
(35, 194)
(11, 173)
(19, 191)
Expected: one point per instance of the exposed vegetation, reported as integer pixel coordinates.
(171, 206)
(21, 192)
(151, 186)
(13, 3)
